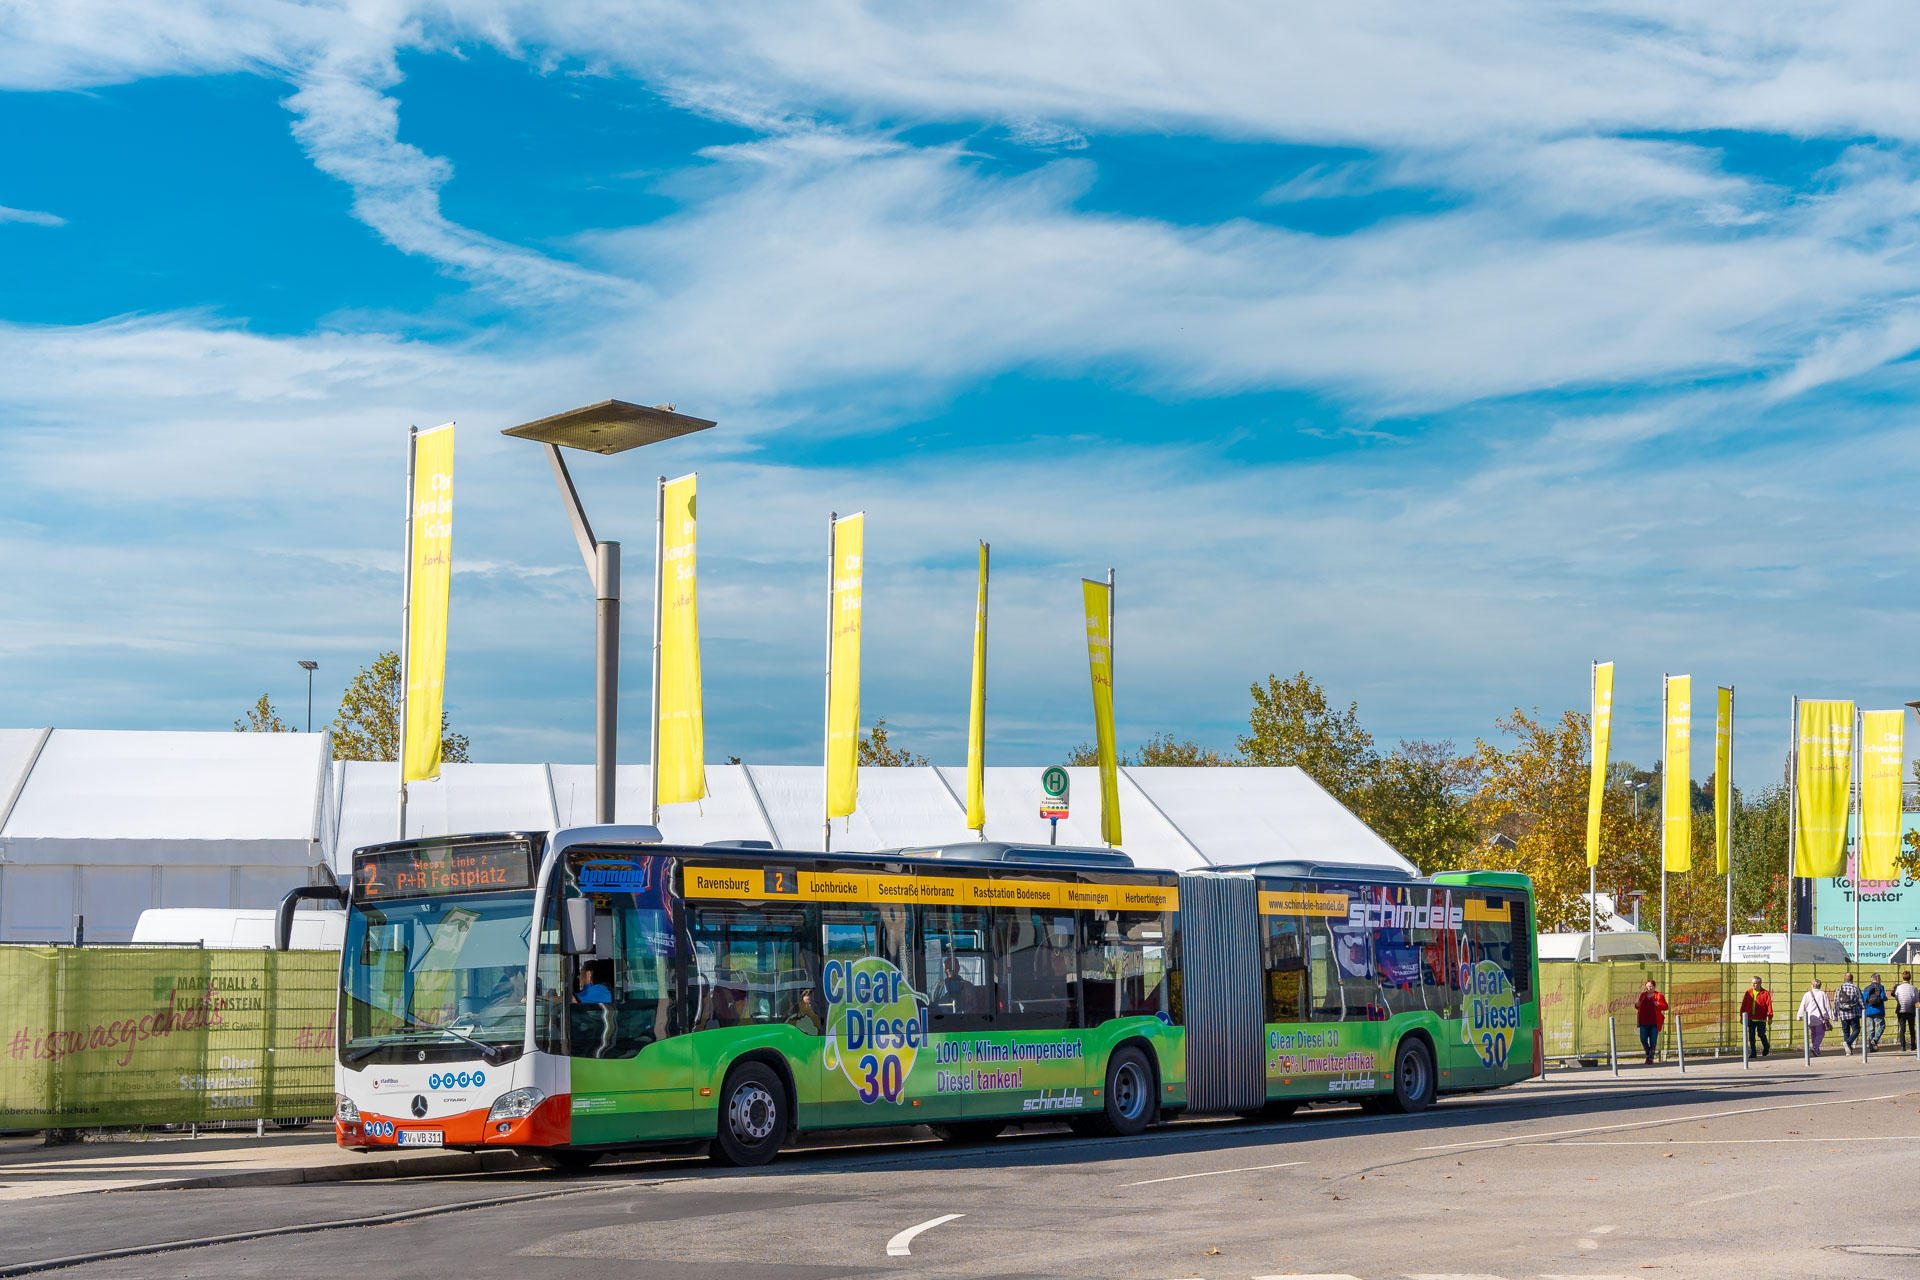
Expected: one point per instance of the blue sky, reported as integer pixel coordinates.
(1432, 358)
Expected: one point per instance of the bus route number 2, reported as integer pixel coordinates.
(782, 880)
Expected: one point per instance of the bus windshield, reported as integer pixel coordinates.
(436, 971)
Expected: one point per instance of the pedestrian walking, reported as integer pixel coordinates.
(1906, 997)
(1847, 1006)
(1651, 1011)
(1757, 1005)
(1874, 997)
(1816, 1010)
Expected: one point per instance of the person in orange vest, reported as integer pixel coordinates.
(1757, 1006)
(1651, 1009)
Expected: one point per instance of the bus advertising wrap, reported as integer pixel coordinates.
(683, 770)
(430, 534)
(1822, 784)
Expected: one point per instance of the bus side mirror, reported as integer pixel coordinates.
(576, 938)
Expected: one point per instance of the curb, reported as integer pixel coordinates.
(444, 1164)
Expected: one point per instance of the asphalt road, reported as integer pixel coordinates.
(1782, 1172)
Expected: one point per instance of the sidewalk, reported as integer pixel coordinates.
(167, 1162)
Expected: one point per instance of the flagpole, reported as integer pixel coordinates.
(406, 631)
(1727, 937)
(659, 601)
(1859, 829)
(1593, 871)
(1110, 688)
(1793, 809)
(986, 595)
(826, 774)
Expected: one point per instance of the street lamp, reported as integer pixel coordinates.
(612, 426)
(1634, 789)
(309, 668)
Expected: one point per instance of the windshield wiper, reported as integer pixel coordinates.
(490, 1052)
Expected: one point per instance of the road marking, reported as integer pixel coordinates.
(1735, 1195)
(900, 1245)
(1601, 1231)
(1213, 1173)
(1314, 1275)
(1654, 1124)
(1450, 1275)
(1705, 1142)
(1587, 1243)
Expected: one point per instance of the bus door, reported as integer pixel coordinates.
(1485, 1049)
(625, 1018)
(956, 957)
(869, 1072)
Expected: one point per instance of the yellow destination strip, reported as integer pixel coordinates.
(772, 883)
(1293, 902)
(1481, 909)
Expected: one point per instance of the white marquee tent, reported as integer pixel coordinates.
(104, 824)
(1178, 818)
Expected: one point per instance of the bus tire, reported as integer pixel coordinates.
(963, 1133)
(1128, 1097)
(1414, 1080)
(754, 1116)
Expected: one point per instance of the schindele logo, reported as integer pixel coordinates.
(616, 877)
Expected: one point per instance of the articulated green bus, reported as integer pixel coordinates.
(592, 989)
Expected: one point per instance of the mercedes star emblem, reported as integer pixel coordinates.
(420, 1106)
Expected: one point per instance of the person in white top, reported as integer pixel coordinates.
(1816, 1010)
(1906, 998)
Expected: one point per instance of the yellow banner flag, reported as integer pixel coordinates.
(430, 533)
(1723, 781)
(1822, 780)
(1098, 600)
(683, 739)
(843, 667)
(977, 708)
(1883, 756)
(1597, 770)
(1676, 782)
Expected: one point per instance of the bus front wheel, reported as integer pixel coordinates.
(753, 1116)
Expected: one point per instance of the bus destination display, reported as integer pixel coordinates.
(436, 869)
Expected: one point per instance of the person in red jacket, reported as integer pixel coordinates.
(1652, 1010)
(1757, 1006)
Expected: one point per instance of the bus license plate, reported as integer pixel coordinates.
(422, 1138)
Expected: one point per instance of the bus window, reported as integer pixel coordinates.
(851, 932)
(1495, 930)
(1409, 956)
(1036, 973)
(1123, 965)
(1286, 969)
(956, 967)
(751, 965)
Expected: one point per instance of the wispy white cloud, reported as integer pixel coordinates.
(31, 216)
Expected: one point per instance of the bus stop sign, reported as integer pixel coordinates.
(1054, 787)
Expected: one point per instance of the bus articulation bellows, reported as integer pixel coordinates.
(592, 989)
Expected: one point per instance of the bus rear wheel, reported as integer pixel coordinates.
(1128, 1097)
(754, 1118)
(1413, 1079)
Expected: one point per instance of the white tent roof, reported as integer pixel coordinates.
(257, 798)
(1174, 817)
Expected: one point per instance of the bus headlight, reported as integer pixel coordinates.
(344, 1111)
(516, 1104)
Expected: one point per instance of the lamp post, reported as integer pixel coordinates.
(612, 426)
(309, 668)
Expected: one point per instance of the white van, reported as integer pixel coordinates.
(1771, 948)
(1637, 945)
(241, 928)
